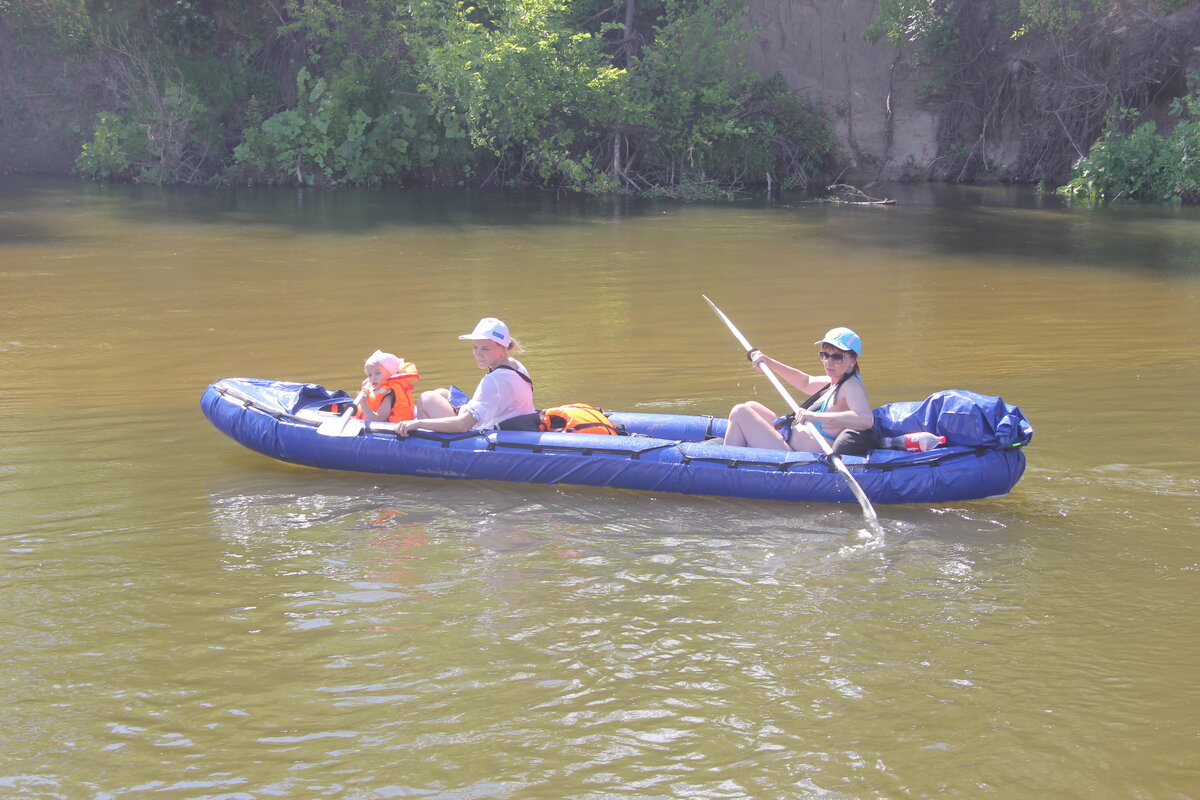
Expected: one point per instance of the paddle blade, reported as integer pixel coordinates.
(345, 425)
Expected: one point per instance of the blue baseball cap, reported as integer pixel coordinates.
(843, 339)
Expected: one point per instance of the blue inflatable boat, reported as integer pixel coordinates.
(665, 453)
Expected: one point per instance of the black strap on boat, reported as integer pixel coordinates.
(583, 450)
(737, 463)
(929, 458)
(445, 439)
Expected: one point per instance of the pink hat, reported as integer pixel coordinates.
(391, 364)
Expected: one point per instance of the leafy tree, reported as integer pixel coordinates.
(590, 95)
(528, 89)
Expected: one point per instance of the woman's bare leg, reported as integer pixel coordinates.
(750, 426)
(434, 404)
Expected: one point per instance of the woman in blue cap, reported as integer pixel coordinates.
(837, 403)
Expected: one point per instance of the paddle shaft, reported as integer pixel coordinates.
(868, 509)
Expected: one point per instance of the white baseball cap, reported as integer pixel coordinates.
(492, 330)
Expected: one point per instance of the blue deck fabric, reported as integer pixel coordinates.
(670, 454)
(965, 418)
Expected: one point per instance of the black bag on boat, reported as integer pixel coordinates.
(523, 422)
(856, 443)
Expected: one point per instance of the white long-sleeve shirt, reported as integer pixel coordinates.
(501, 395)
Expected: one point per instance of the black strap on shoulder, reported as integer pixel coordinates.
(812, 400)
(522, 375)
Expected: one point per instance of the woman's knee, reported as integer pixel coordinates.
(434, 403)
(740, 411)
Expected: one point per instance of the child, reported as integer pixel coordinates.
(386, 394)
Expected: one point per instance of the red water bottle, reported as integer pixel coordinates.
(921, 441)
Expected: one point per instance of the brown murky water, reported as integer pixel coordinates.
(186, 619)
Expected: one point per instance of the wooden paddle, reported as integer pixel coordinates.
(868, 509)
(341, 426)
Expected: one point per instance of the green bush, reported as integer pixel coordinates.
(336, 136)
(527, 88)
(117, 146)
(559, 93)
(1141, 164)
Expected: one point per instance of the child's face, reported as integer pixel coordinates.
(375, 375)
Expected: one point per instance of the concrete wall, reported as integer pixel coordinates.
(869, 91)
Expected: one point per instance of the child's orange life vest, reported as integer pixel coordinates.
(576, 418)
(399, 386)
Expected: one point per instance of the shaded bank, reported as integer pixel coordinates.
(960, 97)
(312, 94)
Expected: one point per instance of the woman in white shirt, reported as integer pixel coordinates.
(505, 393)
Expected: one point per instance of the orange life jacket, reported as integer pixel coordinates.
(399, 386)
(576, 418)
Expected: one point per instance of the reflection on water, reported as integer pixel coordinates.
(648, 645)
(187, 619)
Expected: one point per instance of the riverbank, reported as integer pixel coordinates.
(867, 102)
(974, 102)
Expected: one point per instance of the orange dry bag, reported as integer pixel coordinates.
(576, 418)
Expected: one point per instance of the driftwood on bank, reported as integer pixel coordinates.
(852, 195)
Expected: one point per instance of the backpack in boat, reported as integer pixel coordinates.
(577, 418)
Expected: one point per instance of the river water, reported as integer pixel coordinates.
(184, 618)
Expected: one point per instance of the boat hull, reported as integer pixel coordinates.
(280, 420)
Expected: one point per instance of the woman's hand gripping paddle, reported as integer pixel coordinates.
(342, 426)
(868, 510)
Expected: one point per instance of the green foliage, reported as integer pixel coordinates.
(687, 86)
(548, 102)
(155, 141)
(931, 23)
(1141, 164)
(147, 89)
(711, 118)
(330, 138)
(1053, 16)
(117, 145)
(184, 25)
(59, 26)
(904, 22)
(526, 88)
(571, 94)
(1058, 16)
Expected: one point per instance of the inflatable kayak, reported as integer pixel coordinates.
(663, 453)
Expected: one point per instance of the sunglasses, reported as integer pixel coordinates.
(836, 358)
